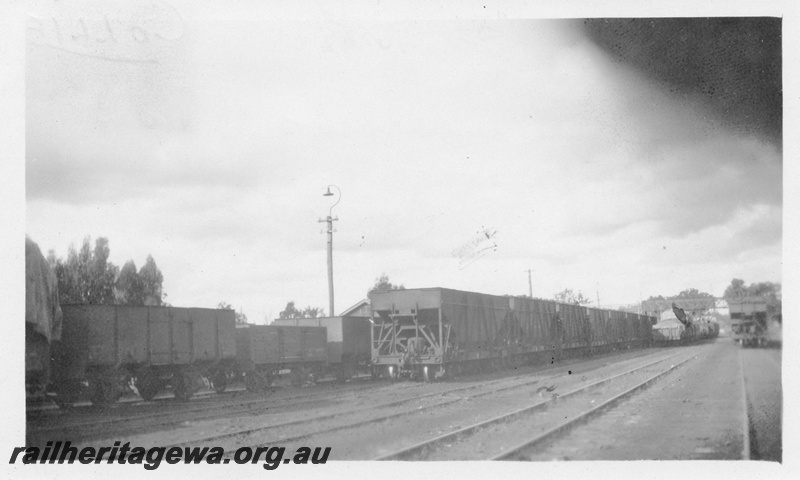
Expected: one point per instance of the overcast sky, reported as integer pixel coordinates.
(466, 152)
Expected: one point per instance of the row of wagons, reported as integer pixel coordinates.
(433, 332)
(107, 349)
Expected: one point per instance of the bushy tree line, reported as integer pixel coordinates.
(568, 296)
(291, 311)
(87, 277)
(737, 288)
(769, 290)
(382, 284)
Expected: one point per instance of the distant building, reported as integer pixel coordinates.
(360, 309)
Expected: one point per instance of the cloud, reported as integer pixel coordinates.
(731, 65)
(214, 160)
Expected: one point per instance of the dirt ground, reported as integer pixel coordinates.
(695, 412)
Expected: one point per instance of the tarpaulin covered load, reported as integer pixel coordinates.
(670, 328)
(42, 309)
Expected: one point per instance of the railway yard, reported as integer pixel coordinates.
(710, 400)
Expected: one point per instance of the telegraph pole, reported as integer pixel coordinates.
(329, 220)
(530, 283)
(598, 295)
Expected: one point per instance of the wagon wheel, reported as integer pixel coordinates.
(105, 391)
(257, 381)
(375, 372)
(219, 381)
(183, 386)
(427, 374)
(267, 378)
(391, 372)
(148, 385)
(66, 393)
(298, 377)
(341, 374)
(453, 370)
(252, 381)
(313, 375)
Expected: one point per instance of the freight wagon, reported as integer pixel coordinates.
(749, 320)
(265, 351)
(348, 343)
(109, 347)
(430, 332)
(42, 320)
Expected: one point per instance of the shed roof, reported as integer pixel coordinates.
(360, 309)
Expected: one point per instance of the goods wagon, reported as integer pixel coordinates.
(429, 332)
(42, 320)
(348, 342)
(109, 347)
(667, 330)
(749, 320)
(265, 351)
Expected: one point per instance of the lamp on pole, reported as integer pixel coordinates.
(330, 221)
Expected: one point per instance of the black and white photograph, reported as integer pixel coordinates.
(276, 238)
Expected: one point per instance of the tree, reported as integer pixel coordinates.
(151, 279)
(313, 312)
(738, 288)
(764, 289)
(568, 296)
(241, 318)
(86, 277)
(309, 312)
(653, 298)
(142, 288)
(693, 293)
(382, 284)
(290, 312)
(735, 289)
(130, 290)
(771, 291)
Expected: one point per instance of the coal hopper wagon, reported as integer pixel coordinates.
(429, 333)
(749, 321)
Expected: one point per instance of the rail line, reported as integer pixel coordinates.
(372, 420)
(516, 450)
(212, 404)
(493, 387)
(746, 425)
(421, 449)
(213, 409)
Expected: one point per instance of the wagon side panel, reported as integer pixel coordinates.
(133, 335)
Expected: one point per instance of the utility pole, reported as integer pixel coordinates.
(598, 295)
(329, 220)
(530, 283)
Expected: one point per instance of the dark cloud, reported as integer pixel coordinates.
(102, 177)
(733, 65)
(765, 231)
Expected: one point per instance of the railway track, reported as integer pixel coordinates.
(747, 425)
(291, 431)
(50, 424)
(517, 451)
(178, 412)
(427, 449)
(303, 426)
